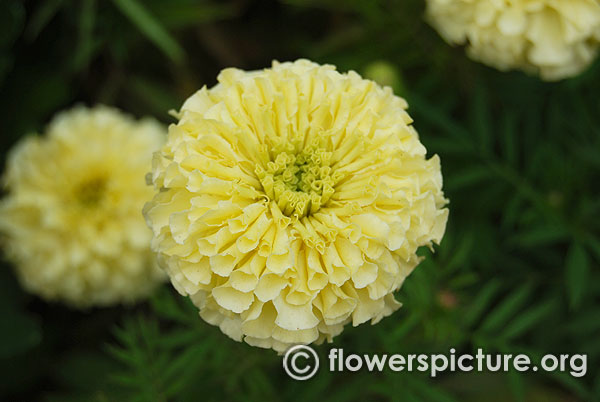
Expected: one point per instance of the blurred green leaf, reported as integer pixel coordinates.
(509, 137)
(577, 273)
(151, 28)
(468, 177)
(158, 99)
(19, 333)
(586, 322)
(427, 392)
(507, 308)
(540, 236)
(481, 119)
(460, 254)
(42, 15)
(182, 14)
(12, 19)
(85, 44)
(517, 385)
(528, 319)
(571, 383)
(482, 301)
(19, 330)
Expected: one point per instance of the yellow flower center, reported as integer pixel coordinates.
(299, 182)
(90, 192)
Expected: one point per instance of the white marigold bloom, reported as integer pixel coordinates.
(291, 201)
(72, 221)
(554, 38)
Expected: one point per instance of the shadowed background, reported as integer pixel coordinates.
(517, 271)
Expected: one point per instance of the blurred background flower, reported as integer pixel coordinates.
(517, 270)
(553, 38)
(71, 222)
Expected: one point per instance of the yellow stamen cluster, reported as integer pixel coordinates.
(299, 180)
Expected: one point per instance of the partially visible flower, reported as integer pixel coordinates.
(71, 221)
(554, 38)
(385, 74)
(291, 201)
(447, 299)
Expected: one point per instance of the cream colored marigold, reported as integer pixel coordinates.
(554, 38)
(291, 201)
(72, 221)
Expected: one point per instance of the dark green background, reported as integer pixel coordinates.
(517, 270)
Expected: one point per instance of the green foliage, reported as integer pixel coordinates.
(517, 271)
(151, 28)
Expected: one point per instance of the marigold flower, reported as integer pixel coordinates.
(292, 201)
(555, 38)
(72, 221)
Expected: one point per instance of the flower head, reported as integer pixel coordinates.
(555, 38)
(291, 201)
(71, 221)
